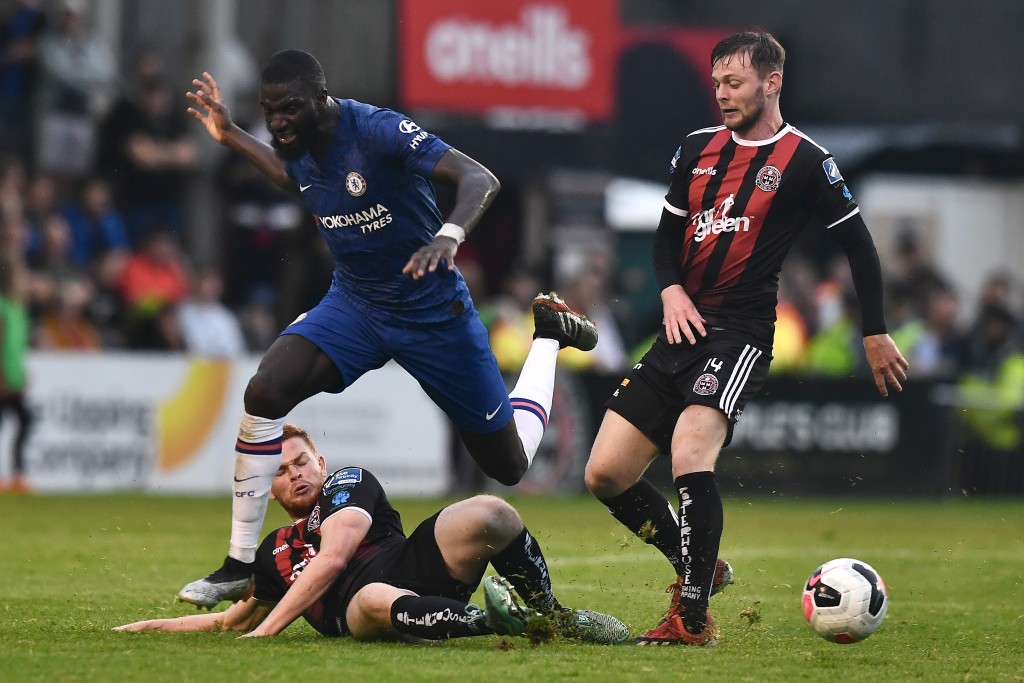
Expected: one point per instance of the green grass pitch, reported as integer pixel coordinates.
(75, 566)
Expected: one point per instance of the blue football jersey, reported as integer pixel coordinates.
(375, 206)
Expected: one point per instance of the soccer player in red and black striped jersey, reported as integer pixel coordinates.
(740, 194)
(346, 566)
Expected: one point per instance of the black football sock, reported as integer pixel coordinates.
(523, 564)
(700, 532)
(643, 510)
(232, 570)
(436, 618)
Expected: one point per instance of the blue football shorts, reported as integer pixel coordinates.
(453, 363)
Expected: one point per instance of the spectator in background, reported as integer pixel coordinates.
(943, 350)
(155, 272)
(587, 294)
(992, 387)
(21, 24)
(510, 319)
(836, 349)
(63, 324)
(12, 204)
(147, 155)
(997, 290)
(795, 306)
(106, 308)
(96, 226)
(263, 232)
(914, 272)
(828, 295)
(77, 78)
(12, 182)
(208, 327)
(790, 340)
(933, 340)
(51, 263)
(152, 283)
(259, 326)
(39, 202)
(14, 340)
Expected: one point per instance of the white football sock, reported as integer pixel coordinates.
(531, 397)
(257, 459)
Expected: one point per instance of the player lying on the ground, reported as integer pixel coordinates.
(346, 566)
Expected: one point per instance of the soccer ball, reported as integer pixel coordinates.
(845, 600)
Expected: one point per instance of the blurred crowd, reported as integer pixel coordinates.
(95, 172)
(818, 327)
(96, 168)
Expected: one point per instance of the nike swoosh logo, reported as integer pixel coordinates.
(303, 188)
(816, 579)
(246, 478)
(490, 416)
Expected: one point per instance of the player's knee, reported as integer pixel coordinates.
(262, 399)
(498, 520)
(601, 482)
(373, 604)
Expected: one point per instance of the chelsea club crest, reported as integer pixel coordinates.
(355, 184)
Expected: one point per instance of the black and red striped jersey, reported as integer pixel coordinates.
(744, 203)
(285, 552)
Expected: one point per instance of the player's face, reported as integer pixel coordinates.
(291, 115)
(739, 90)
(299, 478)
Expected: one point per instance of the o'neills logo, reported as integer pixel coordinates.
(541, 50)
(367, 221)
(717, 220)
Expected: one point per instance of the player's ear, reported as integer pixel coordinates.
(774, 83)
(323, 464)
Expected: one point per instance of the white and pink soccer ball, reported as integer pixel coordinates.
(845, 600)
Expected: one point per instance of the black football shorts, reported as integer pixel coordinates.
(722, 370)
(421, 567)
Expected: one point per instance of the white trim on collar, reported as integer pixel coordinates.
(760, 143)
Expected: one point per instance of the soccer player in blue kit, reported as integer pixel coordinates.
(365, 173)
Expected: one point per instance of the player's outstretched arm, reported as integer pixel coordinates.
(209, 109)
(475, 189)
(241, 616)
(340, 536)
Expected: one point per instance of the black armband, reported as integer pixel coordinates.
(860, 250)
(668, 245)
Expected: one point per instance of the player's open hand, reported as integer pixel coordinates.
(428, 258)
(208, 107)
(888, 366)
(681, 316)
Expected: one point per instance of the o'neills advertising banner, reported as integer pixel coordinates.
(534, 55)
